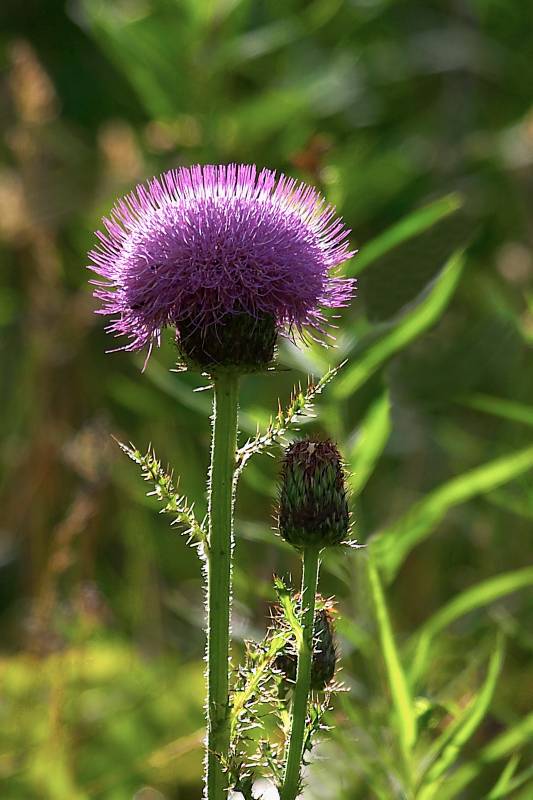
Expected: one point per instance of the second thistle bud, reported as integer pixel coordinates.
(313, 509)
(324, 651)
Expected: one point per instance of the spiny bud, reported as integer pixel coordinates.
(324, 651)
(239, 340)
(313, 510)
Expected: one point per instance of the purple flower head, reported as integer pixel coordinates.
(198, 244)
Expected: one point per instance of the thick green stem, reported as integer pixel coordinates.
(224, 444)
(291, 782)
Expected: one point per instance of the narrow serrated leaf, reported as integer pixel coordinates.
(166, 493)
(300, 406)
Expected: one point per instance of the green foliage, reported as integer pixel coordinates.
(415, 120)
(478, 596)
(260, 701)
(371, 440)
(381, 345)
(445, 750)
(131, 719)
(392, 545)
(502, 746)
(255, 695)
(399, 691)
(507, 783)
(516, 412)
(413, 225)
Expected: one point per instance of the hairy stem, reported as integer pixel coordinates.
(291, 782)
(220, 499)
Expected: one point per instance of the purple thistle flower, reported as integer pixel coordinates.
(201, 243)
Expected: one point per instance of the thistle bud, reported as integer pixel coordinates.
(324, 651)
(239, 340)
(313, 510)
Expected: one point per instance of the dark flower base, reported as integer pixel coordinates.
(241, 342)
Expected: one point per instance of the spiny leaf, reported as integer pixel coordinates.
(259, 661)
(315, 724)
(166, 492)
(256, 693)
(300, 406)
(286, 600)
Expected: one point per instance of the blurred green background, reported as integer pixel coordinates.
(416, 119)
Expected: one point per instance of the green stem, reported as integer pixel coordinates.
(291, 782)
(220, 500)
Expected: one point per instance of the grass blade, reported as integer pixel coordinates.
(392, 545)
(402, 701)
(373, 437)
(501, 787)
(520, 505)
(415, 223)
(475, 597)
(526, 794)
(505, 744)
(413, 323)
(500, 407)
(464, 728)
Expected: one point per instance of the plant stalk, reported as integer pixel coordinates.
(291, 781)
(220, 511)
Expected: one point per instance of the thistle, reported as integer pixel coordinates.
(228, 258)
(313, 510)
(313, 514)
(201, 246)
(324, 659)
